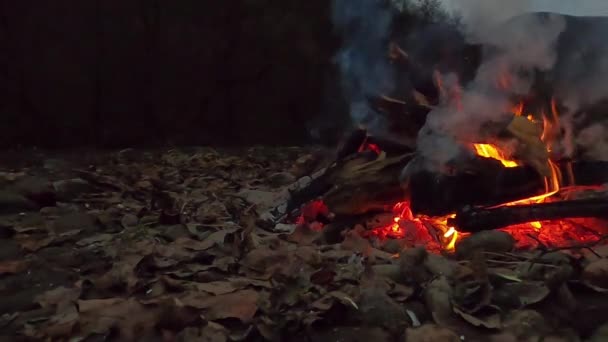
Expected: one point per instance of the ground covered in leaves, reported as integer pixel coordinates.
(169, 246)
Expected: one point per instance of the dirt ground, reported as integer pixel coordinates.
(167, 245)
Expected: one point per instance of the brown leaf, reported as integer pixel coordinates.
(12, 266)
(98, 238)
(32, 244)
(212, 332)
(98, 316)
(61, 325)
(122, 274)
(304, 235)
(528, 292)
(216, 238)
(242, 305)
(430, 333)
(489, 317)
(60, 296)
(401, 292)
(327, 301)
(323, 276)
(356, 243)
(266, 261)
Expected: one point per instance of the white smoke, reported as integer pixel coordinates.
(520, 44)
(365, 28)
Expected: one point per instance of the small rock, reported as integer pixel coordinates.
(596, 274)
(351, 334)
(378, 309)
(438, 299)
(175, 232)
(525, 324)
(600, 334)
(37, 190)
(300, 184)
(430, 333)
(305, 165)
(492, 240)
(380, 220)
(281, 179)
(411, 264)
(393, 246)
(144, 185)
(71, 188)
(503, 337)
(285, 228)
(129, 220)
(13, 203)
(11, 176)
(440, 266)
(128, 154)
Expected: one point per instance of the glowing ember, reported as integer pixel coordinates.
(419, 225)
(370, 147)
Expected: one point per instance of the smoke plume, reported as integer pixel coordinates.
(365, 28)
(571, 52)
(515, 48)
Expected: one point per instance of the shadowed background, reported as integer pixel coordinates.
(133, 72)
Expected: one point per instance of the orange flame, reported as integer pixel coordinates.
(518, 109)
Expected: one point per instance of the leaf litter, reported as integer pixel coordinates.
(148, 245)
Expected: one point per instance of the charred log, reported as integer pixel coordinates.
(362, 187)
(403, 116)
(586, 172)
(475, 219)
(390, 147)
(352, 143)
(487, 183)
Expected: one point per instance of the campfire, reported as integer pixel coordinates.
(512, 177)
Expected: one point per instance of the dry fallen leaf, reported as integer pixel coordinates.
(430, 333)
(12, 266)
(530, 149)
(128, 316)
(60, 296)
(241, 304)
(528, 292)
(489, 317)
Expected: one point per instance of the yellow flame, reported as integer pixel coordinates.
(490, 151)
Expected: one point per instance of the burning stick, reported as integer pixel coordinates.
(478, 219)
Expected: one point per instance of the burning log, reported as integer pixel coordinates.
(479, 219)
